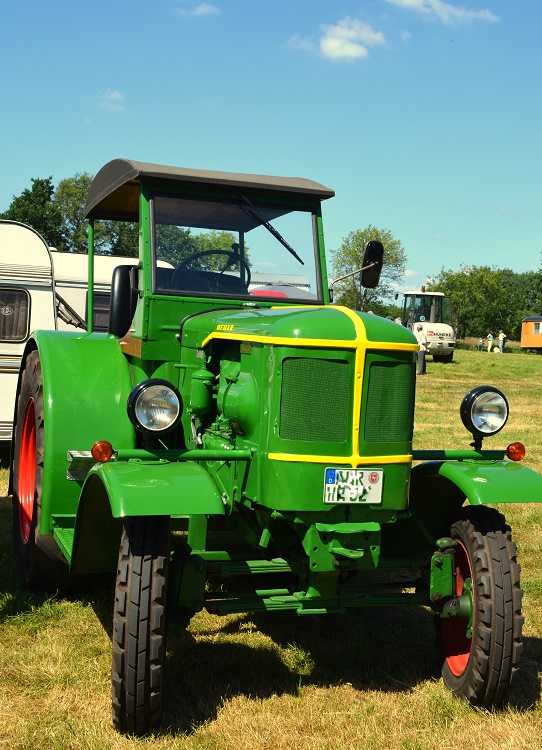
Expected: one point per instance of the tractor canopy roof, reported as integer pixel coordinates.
(114, 191)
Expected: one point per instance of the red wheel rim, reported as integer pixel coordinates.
(27, 471)
(457, 647)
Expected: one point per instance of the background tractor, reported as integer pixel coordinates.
(434, 311)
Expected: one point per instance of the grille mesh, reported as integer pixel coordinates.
(390, 402)
(314, 400)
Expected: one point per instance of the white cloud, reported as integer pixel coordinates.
(301, 43)
(112, 100)
(445, 12)
(203, 9)
(349, 40)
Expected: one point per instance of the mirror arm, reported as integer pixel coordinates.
(352, 273)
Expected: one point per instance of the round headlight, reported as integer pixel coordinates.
(154, 406)
(484, 410)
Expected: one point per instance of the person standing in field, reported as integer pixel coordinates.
(489, 341)
(422, 341)
(502, 339)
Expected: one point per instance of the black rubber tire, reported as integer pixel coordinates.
(481, 669)
(139, 624)
(444, 359)
(39, 560)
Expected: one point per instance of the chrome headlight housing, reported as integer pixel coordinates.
(154, 406)
(484, 411)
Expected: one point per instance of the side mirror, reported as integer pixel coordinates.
(372, 264)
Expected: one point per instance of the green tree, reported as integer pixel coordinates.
(349, 257)
(216, 240)
(481, 299)
(525, 298)
(37, 208)
(70, 196)
(174, 244)
(122, 238)
(177, 244)
(110, 237)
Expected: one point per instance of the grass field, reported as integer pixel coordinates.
(366, 680)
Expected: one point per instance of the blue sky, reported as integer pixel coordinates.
(423, 115)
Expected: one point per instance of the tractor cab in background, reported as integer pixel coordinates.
(434, 311)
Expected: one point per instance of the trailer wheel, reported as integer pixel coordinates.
(139, 624)
(479, 665)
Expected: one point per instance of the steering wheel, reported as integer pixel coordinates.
(232, 257)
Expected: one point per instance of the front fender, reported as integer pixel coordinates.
(156, 489)
(115, 490)
(438, 489)
(488, 482)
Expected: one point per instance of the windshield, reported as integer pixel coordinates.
(238, 248)
(427, 308)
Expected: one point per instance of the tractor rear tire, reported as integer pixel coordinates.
(479, 667)
(39, 560)
(139, 624)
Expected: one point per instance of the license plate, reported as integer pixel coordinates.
(353, 486)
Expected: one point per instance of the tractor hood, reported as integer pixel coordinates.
(300, 325)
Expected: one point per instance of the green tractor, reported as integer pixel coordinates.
(252, 407)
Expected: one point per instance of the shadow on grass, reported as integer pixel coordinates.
(527, 688)
(388, 650)
(443, 364)
(5, 450)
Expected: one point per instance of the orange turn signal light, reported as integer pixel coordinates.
(102, 451)
(516, 452)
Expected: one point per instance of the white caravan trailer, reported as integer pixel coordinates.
(41, 288)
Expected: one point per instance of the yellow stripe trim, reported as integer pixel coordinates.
(354, 460)
(315, 343)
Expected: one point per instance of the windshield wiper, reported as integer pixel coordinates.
(255, 215)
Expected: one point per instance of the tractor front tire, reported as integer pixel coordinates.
(479, 666)
(139, 624)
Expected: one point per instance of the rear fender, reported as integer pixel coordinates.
(86, 382)
(115, 490)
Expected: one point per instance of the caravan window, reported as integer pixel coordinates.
(14, 314)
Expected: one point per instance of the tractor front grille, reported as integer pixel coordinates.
(314, 400)
(389, 415)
